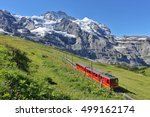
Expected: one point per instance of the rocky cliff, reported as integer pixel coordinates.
(84, 37)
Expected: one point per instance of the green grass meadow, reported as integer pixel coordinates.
(30, 70)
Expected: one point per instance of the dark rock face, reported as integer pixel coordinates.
(68, 26)
(7, 22)
(26, 23)
(136, 48)
(52, 15)
(83, 37)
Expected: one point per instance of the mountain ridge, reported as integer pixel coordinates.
(85, 37)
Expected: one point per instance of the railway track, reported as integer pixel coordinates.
(126, 96)
(69, 61)
(120, 92)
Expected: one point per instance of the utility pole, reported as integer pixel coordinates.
(101, 82)
(91, 65)
(72, 61)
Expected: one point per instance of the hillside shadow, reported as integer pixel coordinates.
(123, 90)
(19, 57)
(50, 81)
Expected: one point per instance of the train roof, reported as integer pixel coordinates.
(99, 72)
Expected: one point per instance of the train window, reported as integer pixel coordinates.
(114, 81)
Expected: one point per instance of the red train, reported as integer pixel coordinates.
(106, 80)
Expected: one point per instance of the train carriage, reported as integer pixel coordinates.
(105, 79)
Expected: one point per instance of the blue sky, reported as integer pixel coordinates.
(123, 17)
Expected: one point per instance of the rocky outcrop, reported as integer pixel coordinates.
(52, 15)
(136, 48)
(7, 22)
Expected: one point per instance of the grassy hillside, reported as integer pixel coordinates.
(34, 71)
(30, 70)
(136, 83)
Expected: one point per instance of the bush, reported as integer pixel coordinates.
(18, 86)
(20, 58)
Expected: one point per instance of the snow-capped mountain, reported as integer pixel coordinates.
(84, 37)
(48, 22)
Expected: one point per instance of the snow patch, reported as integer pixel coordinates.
(84, 24)
(87, 20)
(137, 38)
(18, 16)
(1, 30)
(65, 34)
(20, 30)
(36, 17)
(119, 48)
(41, 31)
(92, 26)
(4, 32)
